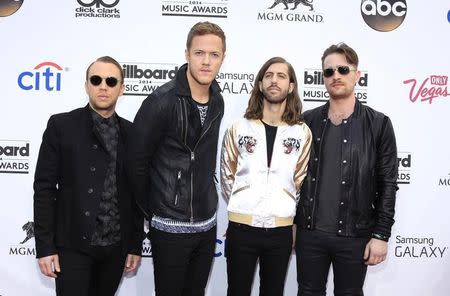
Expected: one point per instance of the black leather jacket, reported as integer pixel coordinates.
(368, 173)
(172, 156)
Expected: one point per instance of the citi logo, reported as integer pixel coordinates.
(383, 15)
(46, 76)
(9, 7)
(404, 167)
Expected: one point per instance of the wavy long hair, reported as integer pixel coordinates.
(293, 112)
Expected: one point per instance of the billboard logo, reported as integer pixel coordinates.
(46, 75)
(14, 157)
(404, 168)
(383, 15)
(314, 86)
(9, 7)
(141, 79)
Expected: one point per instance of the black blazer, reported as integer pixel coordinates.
(69, 180)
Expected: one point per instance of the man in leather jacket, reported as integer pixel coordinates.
(172, 163)
(347, 200)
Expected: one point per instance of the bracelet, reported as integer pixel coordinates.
(380, 236)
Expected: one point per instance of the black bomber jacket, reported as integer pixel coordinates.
(369, 171)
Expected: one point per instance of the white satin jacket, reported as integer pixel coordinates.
(259, 195)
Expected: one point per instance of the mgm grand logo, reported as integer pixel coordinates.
(24, 249)
(294, 2)
(281, 10)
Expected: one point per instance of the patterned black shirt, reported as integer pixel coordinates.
(107, 229)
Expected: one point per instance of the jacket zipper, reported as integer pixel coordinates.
(177, 189)
(193, 155)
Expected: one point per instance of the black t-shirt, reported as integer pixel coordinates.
(271, 132)
(329, 191)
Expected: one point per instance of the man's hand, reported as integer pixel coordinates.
(375, 252)
(49, 265)
(132, 262)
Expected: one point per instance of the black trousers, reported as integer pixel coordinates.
(316, 250)
(244, 246)
(182, 261)
(96, 272)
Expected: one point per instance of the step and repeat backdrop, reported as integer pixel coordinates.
(403, 47)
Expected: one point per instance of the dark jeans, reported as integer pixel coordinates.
(94, 273)
(244, 246)
(182, 261)
(316, 250)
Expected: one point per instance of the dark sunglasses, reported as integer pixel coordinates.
(343, 70)
(97, 80)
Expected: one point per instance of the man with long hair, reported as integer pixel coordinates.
(263, 164)
(172, 162)
(347, 202)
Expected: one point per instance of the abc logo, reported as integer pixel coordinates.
(8, 7)
(383, 15)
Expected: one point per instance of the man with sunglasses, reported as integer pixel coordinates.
(87, 226)
(347, 200)
(172, 163)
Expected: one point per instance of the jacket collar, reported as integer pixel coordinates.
(182, 85)
(356, 113)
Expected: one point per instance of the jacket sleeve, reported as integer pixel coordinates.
(386, 173)
(45, 191)
(149, 127)
(228, 163)
(303, 159)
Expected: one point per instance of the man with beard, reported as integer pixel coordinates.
(346, 207)
(87, 226)
(172, 162)
(263, 164)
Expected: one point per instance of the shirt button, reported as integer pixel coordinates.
(95, 146)
(92, 169)
(342, 203)
(309, 226)
(345, 140)
(318, 139)
(84, 237)
(324, 120)
(309, 217)
(313, 179)
(344, 161)
(90, 190)
(340, 222)
(345, 121)
(310, 199)
(343, 182)
(87, 214)
(316, 159)
(339, 231)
